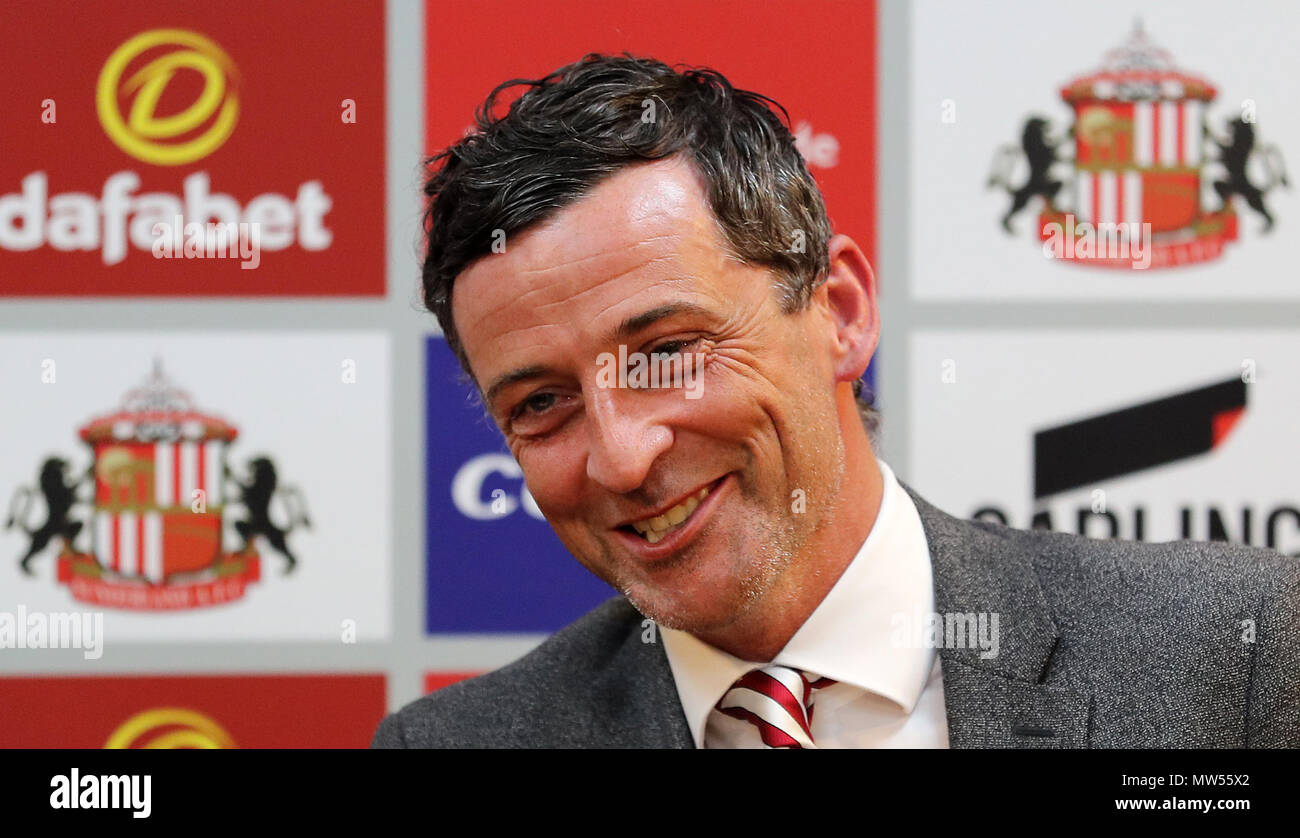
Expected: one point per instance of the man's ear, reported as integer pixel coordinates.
(849, 298)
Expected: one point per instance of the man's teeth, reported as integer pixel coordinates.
(657, 527)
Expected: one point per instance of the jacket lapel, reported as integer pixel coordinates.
(1007, 700)
(1004, 701)
(651, 716)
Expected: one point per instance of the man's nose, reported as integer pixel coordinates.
(624, 438)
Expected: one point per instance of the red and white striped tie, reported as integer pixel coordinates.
(778, 701)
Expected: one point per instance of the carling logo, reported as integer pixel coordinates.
(1088, 455)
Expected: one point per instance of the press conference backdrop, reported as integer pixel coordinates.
(266, 503)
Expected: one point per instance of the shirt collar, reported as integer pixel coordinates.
(851, 636)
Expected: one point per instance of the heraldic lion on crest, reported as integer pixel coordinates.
(60, 496)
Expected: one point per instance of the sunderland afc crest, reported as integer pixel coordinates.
(157, 520)
(1143, 168)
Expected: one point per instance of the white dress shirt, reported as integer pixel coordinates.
(890, 688)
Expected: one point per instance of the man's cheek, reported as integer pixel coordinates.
(579, 542)
(546, 485)
(722, 401)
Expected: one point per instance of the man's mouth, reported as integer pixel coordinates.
(655, 528)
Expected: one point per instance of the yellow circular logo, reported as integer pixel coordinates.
(180, 138)
(167, 728)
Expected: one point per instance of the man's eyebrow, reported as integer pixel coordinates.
(624, 330)
(512, 377)
(637, 322)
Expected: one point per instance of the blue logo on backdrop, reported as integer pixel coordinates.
(493, 564)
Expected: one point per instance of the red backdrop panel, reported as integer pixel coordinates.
(287, 67)
(816, 59)
(438, 680)
(255, 711)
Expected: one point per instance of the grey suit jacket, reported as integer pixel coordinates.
(1102, 644)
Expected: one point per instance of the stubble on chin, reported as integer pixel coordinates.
(754, 588)
(766, 585)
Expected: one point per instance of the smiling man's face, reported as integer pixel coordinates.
(641, 262)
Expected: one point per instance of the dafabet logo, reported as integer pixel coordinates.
(135, 80)
(155, 129)
(180, 138)
(169, 728)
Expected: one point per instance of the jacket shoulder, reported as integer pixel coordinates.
(1199, 636)
(544, 699)
(1155, 577)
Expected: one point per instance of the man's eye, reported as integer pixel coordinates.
(673, 347)
(539, 414)
(536, 404)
